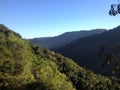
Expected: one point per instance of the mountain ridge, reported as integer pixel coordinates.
(26, 66)
(85, 51)
(65, 38)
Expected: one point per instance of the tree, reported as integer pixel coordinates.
(115, 9)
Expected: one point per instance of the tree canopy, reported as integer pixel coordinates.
(25, 66)
(115, 9)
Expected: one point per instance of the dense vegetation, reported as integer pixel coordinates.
(86, 51)
(113, 60)
(27, 66)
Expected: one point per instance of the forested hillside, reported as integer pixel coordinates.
(59, 41)
(113, 60)
(91, 51)
(25, 66)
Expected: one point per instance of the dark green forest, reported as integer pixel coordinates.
(93, 50)
(26, 66)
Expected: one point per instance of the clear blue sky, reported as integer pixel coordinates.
(40, 18)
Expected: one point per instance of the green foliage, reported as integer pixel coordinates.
(21, 67)
(113, 59)
(82, 79)
(25, 66)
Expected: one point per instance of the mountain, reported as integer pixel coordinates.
(86, 51)
(113, 60)
(25, 66)
(63, 39)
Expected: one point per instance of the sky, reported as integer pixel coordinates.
(43, 18)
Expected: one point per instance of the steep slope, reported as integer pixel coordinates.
(85, 51)
(21, 68)
(63, 39)
(113, 60)
(25, 66)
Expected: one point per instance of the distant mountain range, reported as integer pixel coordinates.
(86, 51)
(26, 66)
(64, 39)
(84, 46)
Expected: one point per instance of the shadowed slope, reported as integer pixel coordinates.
(26, 66)
(64, 39)
(85, 51)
